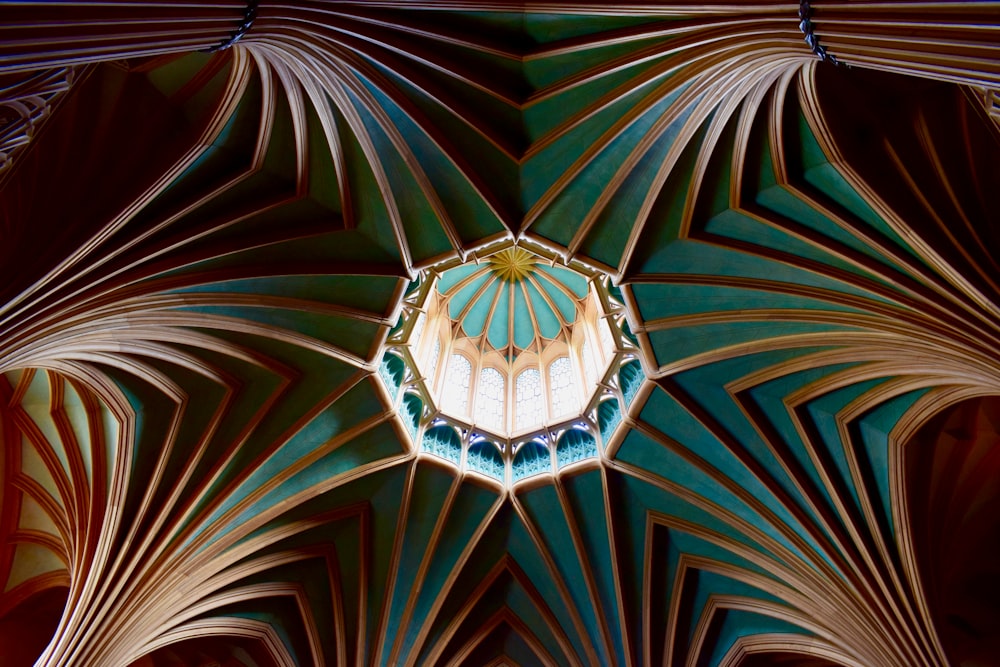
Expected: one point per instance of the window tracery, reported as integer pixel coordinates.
(485, 391)
(604, 332)
(432, 362)
(455, 393)
(528, 405)
(490, 394)
(589, 365)
(418, 327)
(561, 388)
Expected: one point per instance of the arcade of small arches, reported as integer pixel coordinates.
(512, 365)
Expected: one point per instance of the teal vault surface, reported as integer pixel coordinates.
(194, 393)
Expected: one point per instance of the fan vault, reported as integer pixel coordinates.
(210, 253)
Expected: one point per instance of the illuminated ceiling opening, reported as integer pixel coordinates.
(512, 364)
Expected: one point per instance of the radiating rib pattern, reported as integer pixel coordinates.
(205, 253)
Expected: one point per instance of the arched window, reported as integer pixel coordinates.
(589, 365)
(561, 386)
(455, 393)
(432, 362)
(604, 333)
(529, 406)
(490, 394)
(418, 327)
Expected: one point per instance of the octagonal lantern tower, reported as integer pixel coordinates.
(511, 365)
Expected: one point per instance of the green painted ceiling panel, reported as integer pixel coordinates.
(714, 582)
(664, 413)
(576, 283)
(714, 194)
(544, 167)
(819, 172)
(607, 239)
(370, 293)
(737, 623)
(371, 213)
(828, 180)
(524, 332)
(376, 444)
(679, 343)
(822, 412)
(276, 615)
(664, 301)
(699, 258)
(508, 592)
(452, 277)
(874, 430)
(548, 324)
(377, 497)
(549, 114)
(153, 411)
(343, 535)
(475, 320)
(321, 168)
(497, 332)
(824, 177)
(706, 386)
(663, 227)
(524, 606)
(471, 509)
(785, 203)
(522, 549)
(545, 28)
(544, 72)
(734, 225)
(565, 305)
(585, 493)
(413, 207)
(347, 333)
(195, 424)
(259, 386)
(280, 156)
(230, 151)
(427, 506)
(465, 294)
(640, 451)
(545, 512)
(469, 210)
(580, 195)
(359, 403)
(770, 398)
(313, 576)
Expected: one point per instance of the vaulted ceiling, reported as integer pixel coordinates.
(203, 255)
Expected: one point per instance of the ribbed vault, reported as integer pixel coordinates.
(205, 254)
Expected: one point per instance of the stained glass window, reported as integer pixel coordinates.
(530, 409)
(564, 398)
(455, 393)
(490, 394)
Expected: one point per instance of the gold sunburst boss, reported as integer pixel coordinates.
(513, 264)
